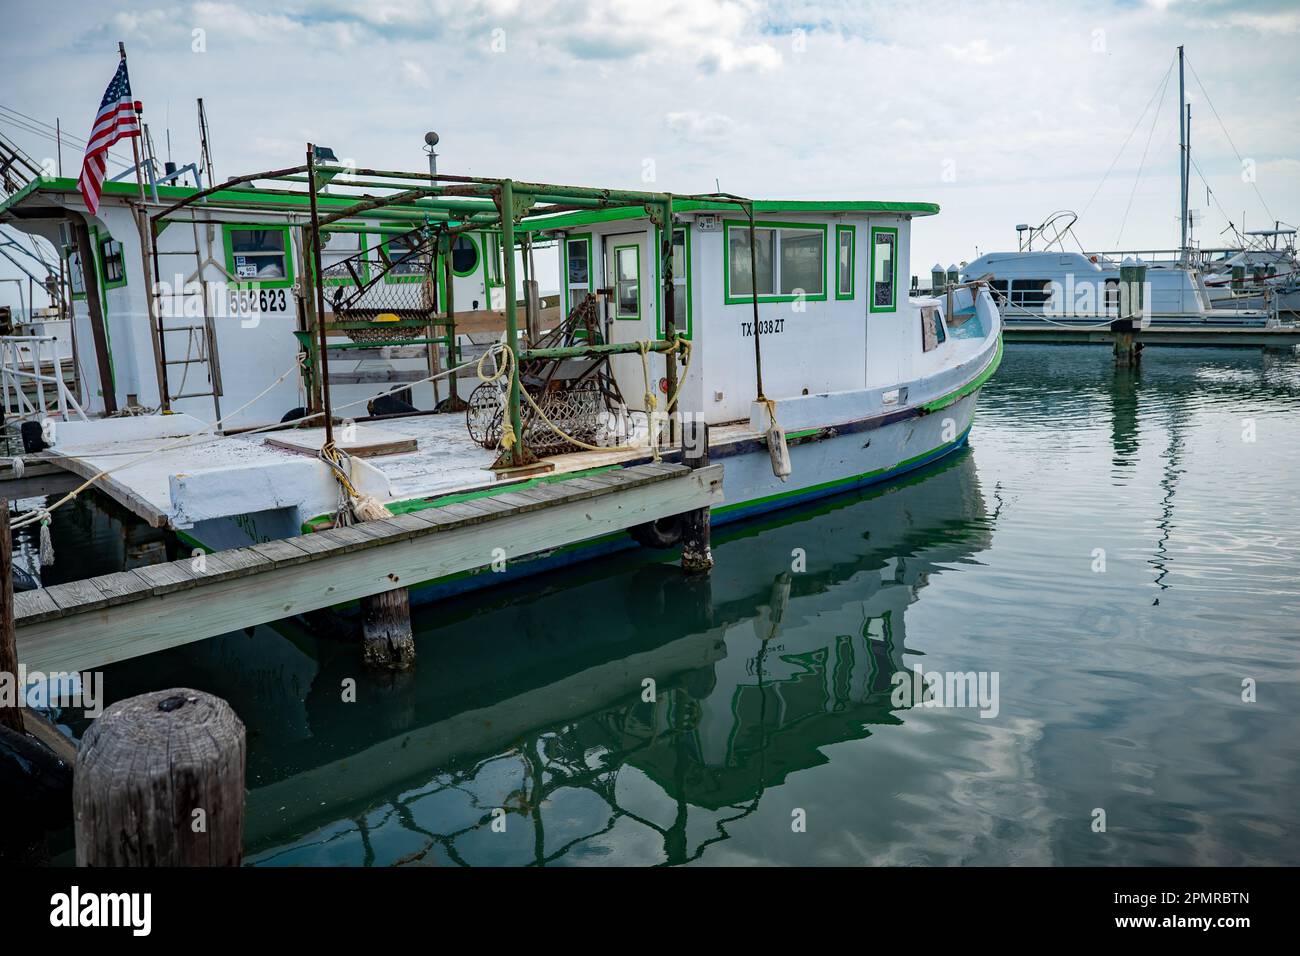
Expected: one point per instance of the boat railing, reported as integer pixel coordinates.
(23, 376)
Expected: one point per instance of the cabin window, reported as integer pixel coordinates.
(464, 255)
(577, 269)
(493, 264)
(932, 332)
(579, 262)
(627, 282)
(844, 255)
(259, 254)
(999, 287)
(338, 252)
(1030, 293)
(884, 268)
(112, 263)
(803, 261)
(681, 281)
(739, 276)
(790, 261)
(404, 253)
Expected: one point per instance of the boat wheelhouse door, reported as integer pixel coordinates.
(625, 262)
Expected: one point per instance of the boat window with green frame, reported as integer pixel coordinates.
(790, 259)
(681, 282)
(845, 241)
(338, 247)
(464, 255)
(884, 268)
(494, 263)
(803, 262)
(577, 268)
(408, 265)
(259, 255)
(112, 263)
(627, 282)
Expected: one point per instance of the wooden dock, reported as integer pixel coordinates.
(87, 624)
(1282, 337)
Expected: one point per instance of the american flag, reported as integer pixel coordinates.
(115, 120)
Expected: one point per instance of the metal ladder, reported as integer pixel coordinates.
(203, 335)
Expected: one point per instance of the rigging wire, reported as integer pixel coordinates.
(40, 128)
(1159, 86)
(1227, 135)
(1155, 117)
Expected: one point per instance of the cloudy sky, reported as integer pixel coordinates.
(1000, 112)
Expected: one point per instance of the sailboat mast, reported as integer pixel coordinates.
(1182, 158)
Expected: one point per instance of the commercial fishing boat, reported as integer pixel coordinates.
(203, 322)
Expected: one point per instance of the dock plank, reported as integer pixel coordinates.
(33, 607)
(74, 595)
(282, 553)
(121, 587)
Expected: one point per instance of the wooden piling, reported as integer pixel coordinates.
(10, 717)
(159, 781)
(1128, 350)
(697, 555)
(388, 643)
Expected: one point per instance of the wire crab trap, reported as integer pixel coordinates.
(385, 294)
(577, 396)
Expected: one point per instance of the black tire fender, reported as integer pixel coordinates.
(662, 533)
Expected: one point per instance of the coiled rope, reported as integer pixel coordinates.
(508, 369)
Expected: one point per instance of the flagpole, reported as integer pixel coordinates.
(135, 140)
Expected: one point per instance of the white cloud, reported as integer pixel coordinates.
(700, 125)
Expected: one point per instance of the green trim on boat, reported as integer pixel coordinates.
(424, 503)
(975, 383)
(839, 482)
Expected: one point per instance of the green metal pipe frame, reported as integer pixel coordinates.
(461, 203)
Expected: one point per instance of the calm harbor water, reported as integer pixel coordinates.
(1117, 548)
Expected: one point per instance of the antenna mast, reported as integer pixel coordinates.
(205, 151)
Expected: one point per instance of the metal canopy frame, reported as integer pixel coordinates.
(447, 205)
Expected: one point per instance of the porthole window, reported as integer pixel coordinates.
(464, 255)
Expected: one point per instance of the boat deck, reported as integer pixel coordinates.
(178, 483)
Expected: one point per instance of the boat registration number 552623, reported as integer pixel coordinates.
(253, 301)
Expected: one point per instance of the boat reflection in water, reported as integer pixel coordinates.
(530, 711)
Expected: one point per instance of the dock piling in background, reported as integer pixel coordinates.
(697, 555)
(182, 804)
(1132, 276)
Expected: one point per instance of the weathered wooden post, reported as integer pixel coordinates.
(697, 555)
(387, 640)
(11, 717)
(159, 781)
(1132, 276)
